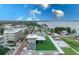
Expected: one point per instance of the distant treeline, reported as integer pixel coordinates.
(33, 23)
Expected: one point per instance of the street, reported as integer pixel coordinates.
(20, 48)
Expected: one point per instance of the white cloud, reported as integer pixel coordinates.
(58, 13)
(20, 18)
(35, 11)
(29, 19)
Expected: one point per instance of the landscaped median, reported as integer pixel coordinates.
(68, 51)
(72, 43)
(46, 45)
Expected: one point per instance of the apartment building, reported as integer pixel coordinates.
(12, 35)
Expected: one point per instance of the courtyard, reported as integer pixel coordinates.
(46, 45)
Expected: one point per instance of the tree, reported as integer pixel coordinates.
(51, 30)
(59, 29)
(3, 50)
(73, 31)
(68, 29)
(1, 30)
(44, 25)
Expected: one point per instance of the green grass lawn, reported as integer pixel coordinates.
(68, 51)
(71, 41)
(3, 50)
(45, 45)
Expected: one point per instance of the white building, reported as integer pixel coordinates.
(20, 26)
(31, 40)
(12, 35)
(23, 27)
(64, 33)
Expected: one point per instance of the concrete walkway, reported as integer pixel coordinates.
(72, 48)
(58, 48)
(68, 46)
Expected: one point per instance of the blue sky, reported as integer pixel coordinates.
(26, 12)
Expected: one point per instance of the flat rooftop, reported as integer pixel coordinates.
(15, 30)
(37, 37)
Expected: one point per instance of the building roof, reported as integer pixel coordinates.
(32, 36)
(38, 37)
(41, 38)
(15, 30)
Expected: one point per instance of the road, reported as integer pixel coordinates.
(20, 48)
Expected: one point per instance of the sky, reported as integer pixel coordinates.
(39, 12)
